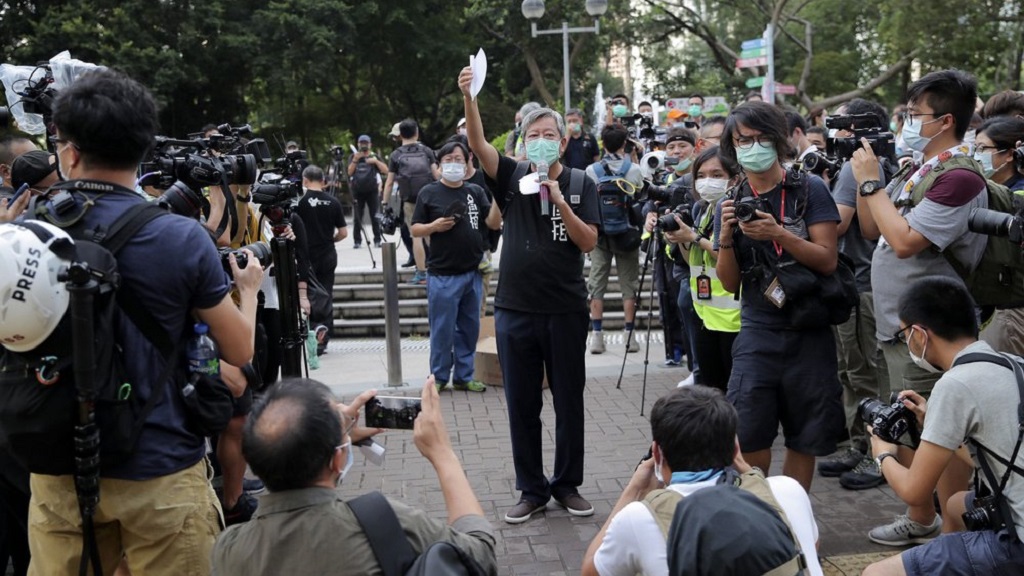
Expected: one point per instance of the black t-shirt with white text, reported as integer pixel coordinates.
(321, 213)
(580, 152)
(460, 249)
(541, 267)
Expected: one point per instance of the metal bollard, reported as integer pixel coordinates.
(392, 331)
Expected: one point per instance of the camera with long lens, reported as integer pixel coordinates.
(260, 251)
(191, 163)
(276, 196)
(237, 140)
(985, 515)
(181, 200)
(746, 208)
(890, 421)
(995, 223)
(652, 191)
(881, 140)
(667, 221)
(819, 164)
(388, 220)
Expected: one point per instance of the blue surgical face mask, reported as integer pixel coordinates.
(453, 172)
(758, 158)
(543, 150)
(693, 111)
(619, 110)
(985, 159)
(912, 135)
(684, 164)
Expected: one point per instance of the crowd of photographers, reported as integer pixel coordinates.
(800, 296)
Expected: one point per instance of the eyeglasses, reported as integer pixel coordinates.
(744, 143)
(982, 148)
(909, 118)
(903, 334)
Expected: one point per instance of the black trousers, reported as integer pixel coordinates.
(714, 355)
(370, 202)
(324, 263)
(14, 497)
(528, 345)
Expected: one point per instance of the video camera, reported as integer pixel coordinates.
(388, 220)
(868, 126)
(337, 153)
(640, 126)
(37, 95)
(236, 140)
(890, 421)
(292, 164)
(276, 196)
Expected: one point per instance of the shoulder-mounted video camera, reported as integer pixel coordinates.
(882, 141)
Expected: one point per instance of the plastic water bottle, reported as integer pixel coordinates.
(203, 357)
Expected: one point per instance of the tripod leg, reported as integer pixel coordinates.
(655, 249)
(629, 334)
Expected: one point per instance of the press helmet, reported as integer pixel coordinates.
(32, 300)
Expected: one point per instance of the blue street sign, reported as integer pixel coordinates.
(751, 44)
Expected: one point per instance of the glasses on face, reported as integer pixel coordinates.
(904, 334)
(745, 143)
(983, 149)
(911, 118)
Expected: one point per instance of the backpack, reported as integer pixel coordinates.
(38, 389)
(615, 201)
(363, 181)
(662, 504)
(998, 279)
(414, 170)
(392, 549)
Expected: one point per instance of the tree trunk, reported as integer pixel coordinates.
(537, 79)
(902, 65)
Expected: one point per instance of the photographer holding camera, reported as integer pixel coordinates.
(364, 172)
(977, 398)
(776, 224)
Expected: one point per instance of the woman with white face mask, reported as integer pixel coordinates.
(993, 149)
(717, 308)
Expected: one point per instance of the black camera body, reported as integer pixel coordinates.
(818, 164)
(985, 515)
(995, 223)
(746, 208)
(388, 220)
(882, 141)
(889, 421)
(667, 221)
(260, 251)
(292, 164)
(237, 140)
(192, 163)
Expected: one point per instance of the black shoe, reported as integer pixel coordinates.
(376, 243)
(242, 511)
(522, 511)
(409, 263)
(866, 475)
(842, 461)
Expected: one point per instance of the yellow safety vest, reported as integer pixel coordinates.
(722, 312)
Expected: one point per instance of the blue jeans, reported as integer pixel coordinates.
(453, 307)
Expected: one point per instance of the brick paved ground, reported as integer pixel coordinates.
(616, 438)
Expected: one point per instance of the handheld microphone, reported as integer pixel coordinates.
(542, 176)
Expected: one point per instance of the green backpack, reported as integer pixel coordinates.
(998, 280)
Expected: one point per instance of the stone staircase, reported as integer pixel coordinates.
(359, 304)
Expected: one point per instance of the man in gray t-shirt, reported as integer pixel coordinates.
(974, 402)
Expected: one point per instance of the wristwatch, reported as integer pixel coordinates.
(881, 457)
(870, 187)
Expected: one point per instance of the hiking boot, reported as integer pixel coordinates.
(253, 486)
(242, 511)
(842, 461)
(904, 531)
(521, 512)
(631, 344)
(597, 342)
(471, 386)
(576, 505)
(418, 279)
(863, 476)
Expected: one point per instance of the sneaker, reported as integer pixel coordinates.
(865, 475)
(485, 266)
(632, 345)
(904, 531)
(376, 243)
(597, 342)
(357, 245)
(688, 381)
(253, 486)
(242, 511)
(576, 505)
(440, 385)
(521, 512)
(842, 461)
(471, 386)
(418, 279)
(672, 362)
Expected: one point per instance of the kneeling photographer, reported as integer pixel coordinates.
(977, 398)
(778, 240)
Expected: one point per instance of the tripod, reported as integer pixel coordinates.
(293, 327)
(654, 248)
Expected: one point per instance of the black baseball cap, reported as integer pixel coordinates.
(31, 167)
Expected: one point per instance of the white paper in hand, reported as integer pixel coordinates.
(478, 64)
(529, 185)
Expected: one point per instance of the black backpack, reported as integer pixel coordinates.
(393, 551)
(38, 394)
(414, 170)
(363, 181)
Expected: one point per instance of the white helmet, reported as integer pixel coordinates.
(32, 300)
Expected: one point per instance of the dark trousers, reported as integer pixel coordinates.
(527, 344)
(668, 308)
(324, 263)
(371, 203)
(714, 354)
(14, 497)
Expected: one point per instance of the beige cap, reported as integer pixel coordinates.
(394, 130)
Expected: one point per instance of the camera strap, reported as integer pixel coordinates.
(782, 211)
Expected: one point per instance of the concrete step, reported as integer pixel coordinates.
(419, 326)
(417, 307)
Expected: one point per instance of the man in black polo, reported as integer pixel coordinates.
(325, 224)
(541, 314)
(582, 149)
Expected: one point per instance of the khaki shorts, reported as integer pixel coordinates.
(165, 525)
(407, 209)
(600, 266)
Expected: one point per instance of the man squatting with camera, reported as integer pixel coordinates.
(541, 313)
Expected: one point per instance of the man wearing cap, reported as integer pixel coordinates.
(694, 448)
(460, 128)
(674, 116)
(37, 168)
(364, 172)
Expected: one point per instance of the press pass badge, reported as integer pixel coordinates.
(703, 287)
(775, 294)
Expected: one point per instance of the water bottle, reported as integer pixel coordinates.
(203, 357)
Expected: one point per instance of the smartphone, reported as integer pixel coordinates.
(21, 190)
(396, 412)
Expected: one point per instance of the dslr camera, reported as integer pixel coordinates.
(667, 222)
(388, 220)
(235, 140)
(891, 420)
(260, 251)
(883, 142)
(985, 515)
(818, 164)
(746, 208)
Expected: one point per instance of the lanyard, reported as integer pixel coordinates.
(782, 212)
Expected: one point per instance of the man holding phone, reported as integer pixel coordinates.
(451, 214)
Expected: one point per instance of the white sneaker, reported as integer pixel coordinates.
(632, 345)
(687, 382)
(597, 342)
(904, 531)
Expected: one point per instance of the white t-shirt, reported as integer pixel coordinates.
(635, 545)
